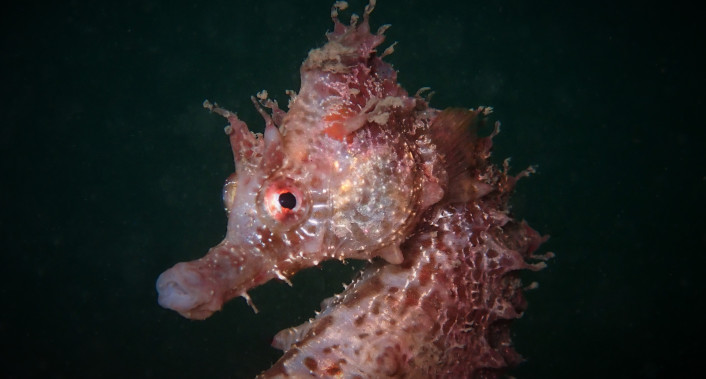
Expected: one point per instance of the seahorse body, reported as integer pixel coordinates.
(443, 313)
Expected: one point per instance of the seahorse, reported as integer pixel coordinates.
(359, 169)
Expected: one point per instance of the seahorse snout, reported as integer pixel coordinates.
(187, 291)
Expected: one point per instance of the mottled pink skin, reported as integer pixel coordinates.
(356, 148)
(443, 313)
(376, 175)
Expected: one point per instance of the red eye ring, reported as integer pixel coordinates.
(274, 199)
(284, 204)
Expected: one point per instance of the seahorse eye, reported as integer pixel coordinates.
(283, 203)
(287, 200)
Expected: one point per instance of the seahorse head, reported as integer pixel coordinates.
(345, 173)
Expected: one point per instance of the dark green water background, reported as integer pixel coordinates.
(112, 172)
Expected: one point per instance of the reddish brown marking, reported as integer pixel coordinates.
(506, 262)
(336, 131)
(376, 308)
(363, 335)
(411, 297)
(425, 273)
(370, 287)
(334, 369)
(388, 362)
(359, 320)
(320, 326)
(478, 261)
(310, 363)
(431, 304)
(475, 239)
(476, 274)
(492, 253)
(336, 121)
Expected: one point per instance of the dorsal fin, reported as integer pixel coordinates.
(453, 132)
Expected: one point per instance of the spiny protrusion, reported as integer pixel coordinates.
(214, 108)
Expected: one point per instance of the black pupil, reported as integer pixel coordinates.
(287, 200)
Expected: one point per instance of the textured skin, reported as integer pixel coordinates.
(443, 312)
(359, 169)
